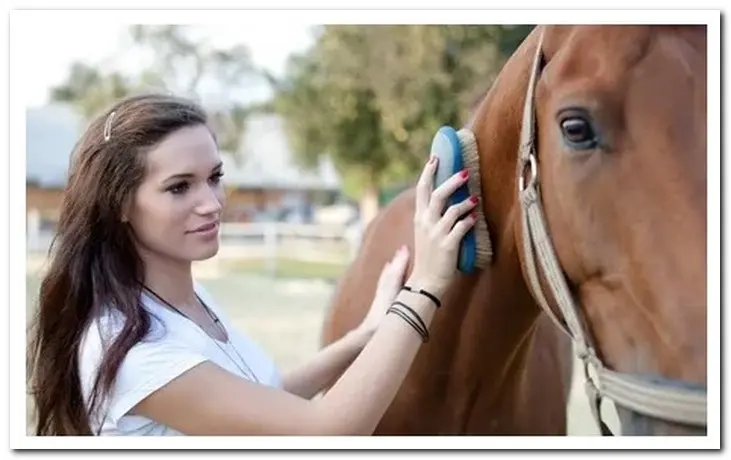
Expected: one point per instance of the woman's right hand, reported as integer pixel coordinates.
(437, 234)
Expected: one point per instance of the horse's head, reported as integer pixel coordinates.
(620, 162)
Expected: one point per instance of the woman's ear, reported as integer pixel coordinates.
(126, 209)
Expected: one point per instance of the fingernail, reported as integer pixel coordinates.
(474, 199)
(464, 173)
(474, 215)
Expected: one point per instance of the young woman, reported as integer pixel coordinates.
(127, 343)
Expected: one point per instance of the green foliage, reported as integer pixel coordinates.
(369, 97)
(180, 64)
(372, 97)
(90, 89)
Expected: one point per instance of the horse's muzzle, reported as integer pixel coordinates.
(635, 424)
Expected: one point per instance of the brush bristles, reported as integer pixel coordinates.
(471, 160)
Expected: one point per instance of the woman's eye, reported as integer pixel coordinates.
(182, 187)
(178, 188)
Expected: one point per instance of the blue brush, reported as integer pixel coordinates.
(457, 150)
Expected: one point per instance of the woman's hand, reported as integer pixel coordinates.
(389, 284)
(437, 234)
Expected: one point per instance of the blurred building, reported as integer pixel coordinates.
(266, 184)
(262, 181)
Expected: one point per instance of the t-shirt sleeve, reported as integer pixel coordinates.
(148, 366)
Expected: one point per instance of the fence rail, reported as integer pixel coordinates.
(267, 242)
(233, 230)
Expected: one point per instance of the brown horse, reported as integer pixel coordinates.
(620, 144)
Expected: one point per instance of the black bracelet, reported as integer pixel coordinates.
(431, 296)
(423, 333)
(416, 315)
(408, 320)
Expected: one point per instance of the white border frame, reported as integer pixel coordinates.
(17, 218)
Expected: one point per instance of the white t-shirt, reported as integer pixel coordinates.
(173, 346)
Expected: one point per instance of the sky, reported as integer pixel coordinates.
(46, 61)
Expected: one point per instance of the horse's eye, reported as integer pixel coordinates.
(578, 133)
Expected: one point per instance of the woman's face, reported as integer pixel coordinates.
(175, 213)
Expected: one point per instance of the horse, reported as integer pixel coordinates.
(592, 145)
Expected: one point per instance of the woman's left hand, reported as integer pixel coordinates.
(389, 284)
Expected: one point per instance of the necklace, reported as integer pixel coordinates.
(248, 372)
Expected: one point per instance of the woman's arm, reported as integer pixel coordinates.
(329, 363)
(209, 400)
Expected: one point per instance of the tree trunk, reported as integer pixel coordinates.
(369, 203)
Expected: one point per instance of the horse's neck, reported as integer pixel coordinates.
(481, 347)
(490, 334)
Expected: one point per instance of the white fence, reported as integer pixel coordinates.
(274, 241)
(269, 242)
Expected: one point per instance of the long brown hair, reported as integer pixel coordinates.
(93, 260)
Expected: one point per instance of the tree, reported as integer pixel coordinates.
(90, 89)
(372, 97)
(179, 64)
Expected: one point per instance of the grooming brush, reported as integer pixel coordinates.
(457, 150)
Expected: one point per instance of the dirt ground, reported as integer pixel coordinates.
(285, 317)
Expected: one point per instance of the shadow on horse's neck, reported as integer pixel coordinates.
(501, 287)
(487, 337)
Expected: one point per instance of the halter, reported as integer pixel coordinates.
(636, 393)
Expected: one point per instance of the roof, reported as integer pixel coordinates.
(50, 135)
(266, 156)
(267, 160)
